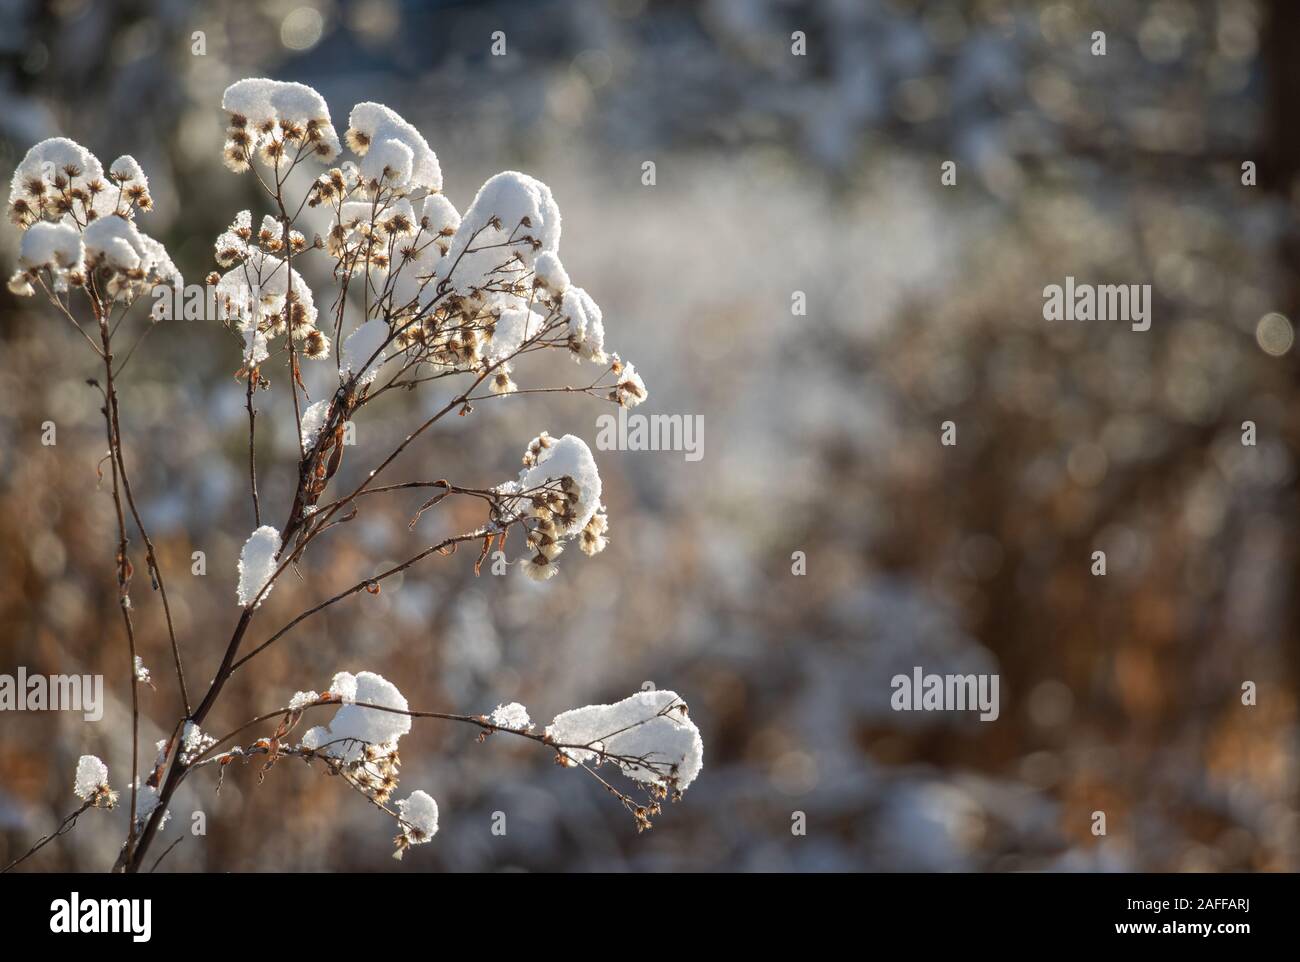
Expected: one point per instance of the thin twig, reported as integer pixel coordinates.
(68, 823)
(165, 853)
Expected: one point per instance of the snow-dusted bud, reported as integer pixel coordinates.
(91, 783)
(593, 535)
(629, 390)
(419, 821)
(538, 567)
(502, 382)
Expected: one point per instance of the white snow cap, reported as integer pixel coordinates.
(420, 813)
(354, 727)
(301, 699)
(257, 563)
(586, 325)
(513, 327)
(126, 170)
(232, 244)
(509, 198)
(440, 213)
(88, 230)
(344, 687)
(513, 716)
(629, 389)
(115, 242)
(650, 726)
(414, 272)
(256, 349)
(568, 457)
(254, 291)
(92, 775)
(268, 103)
(50, 161)
(383, 139)
(56, 246)
(550, 273)
(361, 345)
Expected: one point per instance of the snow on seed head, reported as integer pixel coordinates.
(277, 121)
(59, 178)
(91, 782)
(649, 735)
(52, 246)
(419, 814)
(586, 325)
(130, 263)
(394, 154)
(568, 458)
(550, 274)
(513, 219)
(354, 727)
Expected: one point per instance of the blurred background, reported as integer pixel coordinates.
(776, 174)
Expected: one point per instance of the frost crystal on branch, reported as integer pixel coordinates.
(257, 563)
(193, 743)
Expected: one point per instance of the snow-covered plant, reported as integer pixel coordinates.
(421, 292)
(91, 783)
